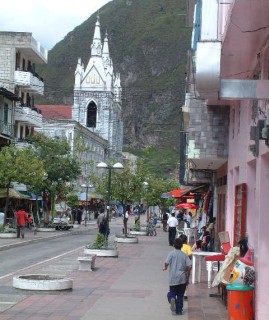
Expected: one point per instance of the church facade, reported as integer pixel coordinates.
(97, 95)
(96, 115)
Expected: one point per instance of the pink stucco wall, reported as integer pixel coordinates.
(243, 167)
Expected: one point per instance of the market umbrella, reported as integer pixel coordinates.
(187, 205)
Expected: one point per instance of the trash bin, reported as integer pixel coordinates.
(240, 302)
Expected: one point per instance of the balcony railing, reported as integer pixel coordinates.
(29, 80)
(28, 114)
(6, 129)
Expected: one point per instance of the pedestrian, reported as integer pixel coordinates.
(74, 214)
(186, 248)
(102, 223)
(164, 220)
(179, 270)
(79, 215)
(172, 223)
(22, 219)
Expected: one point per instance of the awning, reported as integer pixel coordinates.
(178, 193)
(82, 196)
(13, 194)
(166, 195)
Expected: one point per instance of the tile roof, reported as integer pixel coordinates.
(55, 111)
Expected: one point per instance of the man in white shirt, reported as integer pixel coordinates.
(172, 222)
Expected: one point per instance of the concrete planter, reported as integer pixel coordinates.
(128, 239)
(8, 235)
(138, 233)
(42, 282)
(45, 229)
(109, 252)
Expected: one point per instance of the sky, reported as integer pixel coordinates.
(48, 20)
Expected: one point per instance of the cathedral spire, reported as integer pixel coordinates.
(96, 47)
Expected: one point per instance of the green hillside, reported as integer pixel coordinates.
(148, 42)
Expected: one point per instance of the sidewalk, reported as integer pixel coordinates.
(132, 286)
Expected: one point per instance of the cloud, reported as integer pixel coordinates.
(48, 20)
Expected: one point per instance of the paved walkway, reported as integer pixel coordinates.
(130, 287)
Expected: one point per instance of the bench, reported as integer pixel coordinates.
(87, 263)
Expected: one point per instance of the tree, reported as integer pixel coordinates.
(61, 168)
(19, 165)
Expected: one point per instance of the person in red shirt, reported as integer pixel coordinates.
(22, 218)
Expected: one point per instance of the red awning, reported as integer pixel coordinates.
(177, 193)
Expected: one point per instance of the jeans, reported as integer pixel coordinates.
(177, 292)
(20, 231)
(172, 235)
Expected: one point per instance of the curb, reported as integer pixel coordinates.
(26, 242)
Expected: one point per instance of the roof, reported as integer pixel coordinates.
(56, 111)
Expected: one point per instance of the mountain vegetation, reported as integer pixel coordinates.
(148, 42)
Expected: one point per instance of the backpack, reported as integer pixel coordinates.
(102, 225)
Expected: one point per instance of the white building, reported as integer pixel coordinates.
(19, 52)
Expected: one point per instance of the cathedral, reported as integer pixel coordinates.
(96, 114)
(97, 95)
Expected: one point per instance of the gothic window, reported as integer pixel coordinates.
(91, 115)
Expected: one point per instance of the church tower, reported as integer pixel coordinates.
(97, 95)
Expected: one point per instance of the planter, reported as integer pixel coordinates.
(109, 252)
(128, 239)
(45, 229)
(8, 235)
(138, 233)
(42, 282)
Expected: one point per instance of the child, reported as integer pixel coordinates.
(186, 248)
(179, 271)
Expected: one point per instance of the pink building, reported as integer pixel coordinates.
(227, 103)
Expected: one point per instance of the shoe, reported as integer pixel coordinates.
(185, 297)
(179, 313)
(173, 305)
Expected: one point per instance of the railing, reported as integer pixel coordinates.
(29, 114)
(6, 129)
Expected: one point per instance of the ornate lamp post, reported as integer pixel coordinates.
(116, 166)
(87, 186)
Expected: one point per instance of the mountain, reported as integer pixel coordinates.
(148, 42)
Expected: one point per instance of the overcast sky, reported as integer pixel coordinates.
(48, 20)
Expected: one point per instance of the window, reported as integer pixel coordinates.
(5, 113)
(91, 115)
(240, 212)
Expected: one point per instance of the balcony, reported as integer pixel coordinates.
(6, 129)
(29, 115)
(29, 81)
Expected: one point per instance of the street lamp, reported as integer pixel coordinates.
(87, 186)
(145, 186)
(116, 166)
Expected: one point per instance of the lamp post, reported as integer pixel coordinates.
(145, 186)
(87, 186)
(116, 166)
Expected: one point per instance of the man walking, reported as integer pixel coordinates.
(179, 271)
(22, 218)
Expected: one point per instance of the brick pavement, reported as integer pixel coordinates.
(132, 286)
